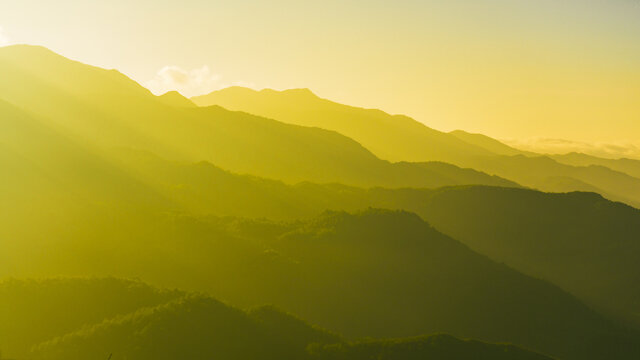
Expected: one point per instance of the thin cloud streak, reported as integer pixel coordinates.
(189, 83)
(562, 146)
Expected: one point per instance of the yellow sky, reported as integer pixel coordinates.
(508, 68)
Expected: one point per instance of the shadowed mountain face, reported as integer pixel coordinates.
(106, 109)
(129, 319)
(548, 236)
(400, 138)
(416, 275)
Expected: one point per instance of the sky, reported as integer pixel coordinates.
(512, 69)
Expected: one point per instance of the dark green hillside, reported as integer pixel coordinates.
(440, 347)
(579, 241)
(194, 327)
(32, 311)
(417, 280)
(337, 271)
(125, 319)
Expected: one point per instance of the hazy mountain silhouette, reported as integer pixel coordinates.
(629, 166)
(542, 173)
(206, 189)
(392, 137)
(401, 138)
(489, 143)
(105, 109)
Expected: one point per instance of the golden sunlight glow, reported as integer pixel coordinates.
(509, 69)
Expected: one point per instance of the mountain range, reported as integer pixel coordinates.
(400, 240)
(400, 138)
(236, 141)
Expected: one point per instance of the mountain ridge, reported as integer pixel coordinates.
(303, 112)
(239, 142)
(400, 138)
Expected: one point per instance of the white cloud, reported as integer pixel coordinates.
(561, 146)
(4, 39)
(189, 82)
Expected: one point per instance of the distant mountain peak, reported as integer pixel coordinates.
(27, 47)
(241, 90)
(174, 98)
(299, 91)
(28, 52)
(488, 143)
(236, 88)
